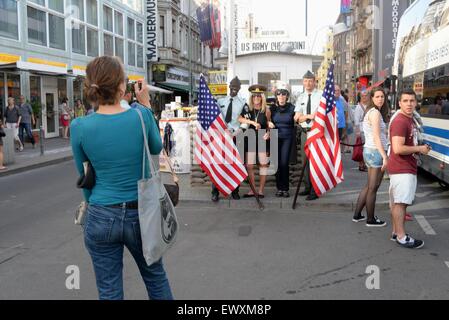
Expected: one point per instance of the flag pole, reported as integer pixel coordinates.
(301, 178)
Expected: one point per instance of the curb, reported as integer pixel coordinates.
(44, 163)
(274, 205)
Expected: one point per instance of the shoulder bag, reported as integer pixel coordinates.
(157, 217)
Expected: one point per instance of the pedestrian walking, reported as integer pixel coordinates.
(306, 108)
(402, 166)
(375, 156)
(12, 121)
(257, 115)
(80, 110)
(26, 121)
(231, 107)
(359, 114)
(103, 138)
(65, 112)
(282, 117)
(2, 134)
(342, 112)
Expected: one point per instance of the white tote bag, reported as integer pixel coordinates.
(157, 217)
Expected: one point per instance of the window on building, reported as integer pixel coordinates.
(161, 38)
(92, 42)
(56, 5)
(118, 23)
(91, 12)
(139, 28)
(13, 86)
(77, 9)
(78, 38)
(140, 56)
(119, 51)
(107, 19)
(56, 27)
(131, 29)
(35, 90)
(265, 78)
(9, 23)
(131, 53)
(39, 2)
(108, 45)
(173, 33)
(37, 26)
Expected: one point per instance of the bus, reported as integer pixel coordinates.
(422, 64)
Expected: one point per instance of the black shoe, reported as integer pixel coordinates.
(279, 193)
(358, 218)
(411, 243)
(311, 197)
(286, 194)
(215, 198)
(235, 196)
(304, 193)
(376, 223)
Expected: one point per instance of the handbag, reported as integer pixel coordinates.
(157, 216)
(172, 189)
(87, 181)
(357, 152)
(2, 133)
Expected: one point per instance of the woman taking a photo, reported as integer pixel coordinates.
(375, 156)
(256, 115)
(282, 115)
(103, 138)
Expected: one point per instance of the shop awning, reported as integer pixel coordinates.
(36, 67)
(177, 87)
(159, 90)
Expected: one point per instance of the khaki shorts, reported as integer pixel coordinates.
(402, 188)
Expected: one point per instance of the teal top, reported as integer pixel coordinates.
(114, 146)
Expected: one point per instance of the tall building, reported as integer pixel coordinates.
(180, 49)
(374, 33)
(45, 47)
(343, 52)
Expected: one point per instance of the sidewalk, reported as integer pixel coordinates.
(343, 196)
(55, 150)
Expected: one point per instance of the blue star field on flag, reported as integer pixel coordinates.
(208, 109)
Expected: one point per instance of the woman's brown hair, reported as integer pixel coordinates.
(384, 110)
(104, 75)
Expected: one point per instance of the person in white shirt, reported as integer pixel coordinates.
(359, 114)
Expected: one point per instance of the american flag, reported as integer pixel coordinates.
(215, 150)
(323, 144)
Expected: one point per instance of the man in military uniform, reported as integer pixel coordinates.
(305, 111)
(231, 107)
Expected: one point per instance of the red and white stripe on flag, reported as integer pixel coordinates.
(218, 156)
(323, 144)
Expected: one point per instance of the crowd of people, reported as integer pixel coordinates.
(389, 144)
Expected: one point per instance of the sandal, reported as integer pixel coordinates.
(3, 168)
(248, 195)
(261, 196)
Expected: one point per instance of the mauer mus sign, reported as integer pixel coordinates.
(151, 14)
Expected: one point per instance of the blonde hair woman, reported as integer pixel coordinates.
(257, 115)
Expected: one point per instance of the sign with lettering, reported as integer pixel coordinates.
(262, 45)
(151, 30)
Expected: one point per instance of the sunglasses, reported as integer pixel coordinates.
(280, 93)
(257, 95)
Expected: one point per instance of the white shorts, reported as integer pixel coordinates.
(402, 188)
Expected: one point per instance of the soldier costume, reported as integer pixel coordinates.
(306, 104)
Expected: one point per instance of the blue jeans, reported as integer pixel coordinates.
(107, 230)
(27, 128)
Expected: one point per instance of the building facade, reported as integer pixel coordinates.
(180, 50)
(374, 32)
(343, 54)
(321, 74)
(45, 46)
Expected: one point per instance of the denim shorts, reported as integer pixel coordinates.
(372, 157)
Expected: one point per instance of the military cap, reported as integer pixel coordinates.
(257, 88)
(282, 86)
(309, 75)
(235, 82)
